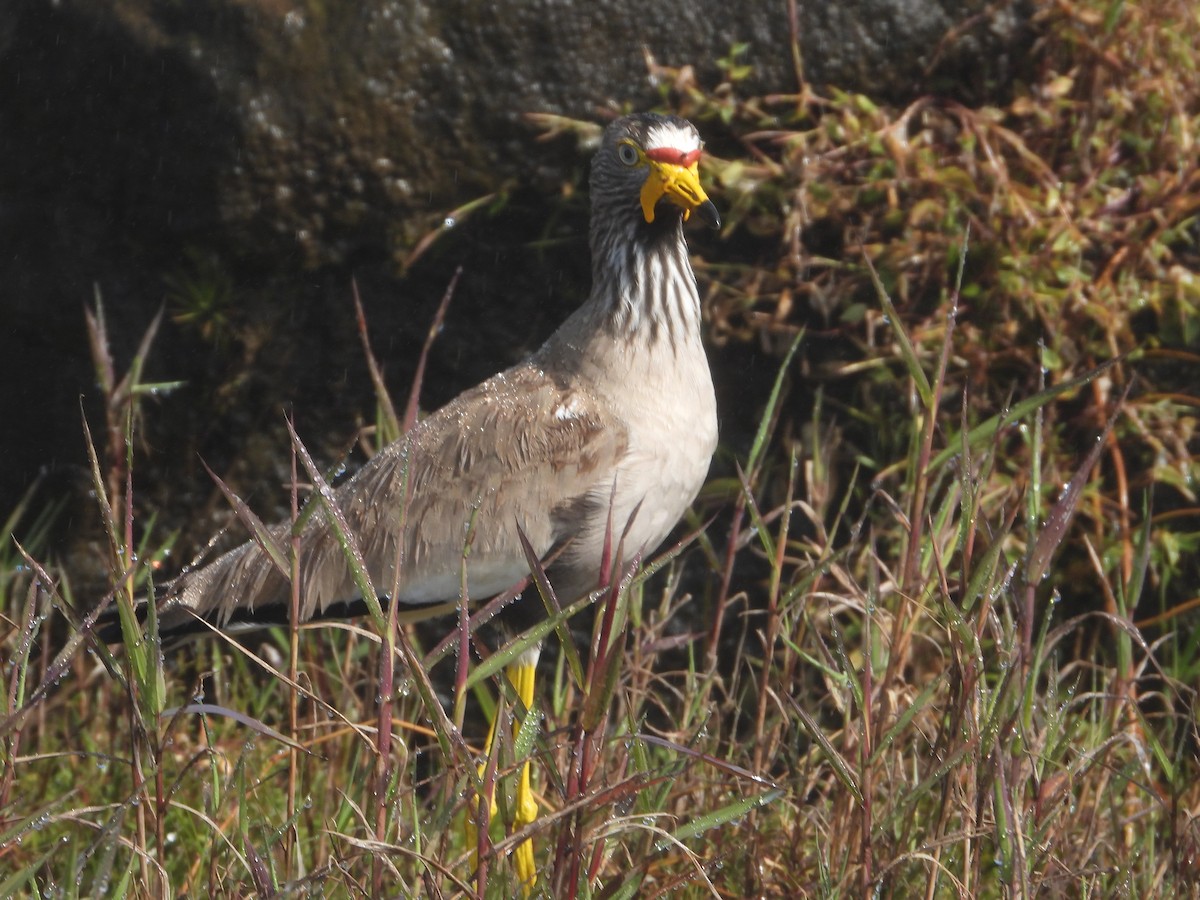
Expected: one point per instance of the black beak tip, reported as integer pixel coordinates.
(708, 212)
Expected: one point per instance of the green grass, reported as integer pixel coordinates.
(939, 640)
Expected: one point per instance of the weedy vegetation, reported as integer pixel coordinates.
(930, 632)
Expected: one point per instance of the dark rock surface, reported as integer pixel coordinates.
(265, 151)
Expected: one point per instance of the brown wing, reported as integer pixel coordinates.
(519, 448)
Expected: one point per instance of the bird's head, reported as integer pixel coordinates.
(655, 158)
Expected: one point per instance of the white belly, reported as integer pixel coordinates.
(670, 448)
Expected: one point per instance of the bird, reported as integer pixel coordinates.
(612, 422)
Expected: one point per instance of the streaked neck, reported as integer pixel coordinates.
(642, 281)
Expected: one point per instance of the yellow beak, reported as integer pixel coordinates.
(679, 184)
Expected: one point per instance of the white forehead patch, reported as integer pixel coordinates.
(672, 136)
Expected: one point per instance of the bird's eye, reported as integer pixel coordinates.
(627, 153)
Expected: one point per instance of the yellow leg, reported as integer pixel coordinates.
(521, 677)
